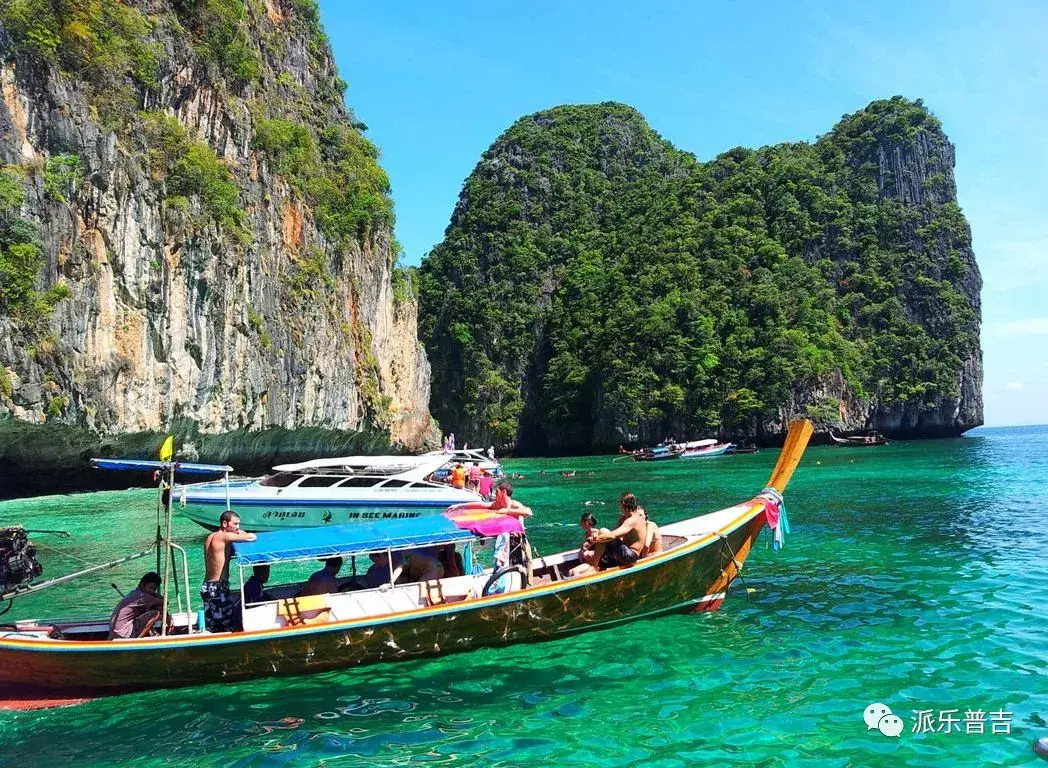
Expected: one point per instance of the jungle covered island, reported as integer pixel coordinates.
(195, 230)
(597, 286)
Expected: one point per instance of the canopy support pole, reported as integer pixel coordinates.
(159, 530)
(167, 553)
(243, 597)
(185, 577)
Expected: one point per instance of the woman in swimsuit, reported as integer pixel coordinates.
(652, 536)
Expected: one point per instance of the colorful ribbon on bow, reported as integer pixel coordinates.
(775, 514)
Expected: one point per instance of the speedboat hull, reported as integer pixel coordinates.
(705, 453)
(267, 508)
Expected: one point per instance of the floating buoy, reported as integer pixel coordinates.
(1040, 747)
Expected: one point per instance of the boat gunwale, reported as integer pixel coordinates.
(753, 507)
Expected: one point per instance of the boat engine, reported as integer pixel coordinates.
(18, 563)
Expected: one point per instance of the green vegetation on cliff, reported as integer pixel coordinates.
(104, 43)
(20, 260)
(115, 50)
(597, 285)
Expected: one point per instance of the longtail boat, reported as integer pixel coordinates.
(860, 441)
(659, 453)
(518, 600)
(744, 448)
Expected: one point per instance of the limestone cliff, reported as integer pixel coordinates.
(598, 286)
(196, 227)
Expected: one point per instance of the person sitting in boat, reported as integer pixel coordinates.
(219, 612)
(451, 561)
(624, 544)
(254, 588)
(418, 565)
(139, 610)
(587, 552)
(458, 476)
(378, 573)
(652, 536)
(324, 581)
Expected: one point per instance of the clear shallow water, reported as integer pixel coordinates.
(916, 576)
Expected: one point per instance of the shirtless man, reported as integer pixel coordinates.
(505, 503)
(219, 615)
(624, 544)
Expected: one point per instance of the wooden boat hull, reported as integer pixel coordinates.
(859, 441)
(658, 456)
(692, 577)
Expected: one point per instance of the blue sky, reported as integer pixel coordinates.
(438, 82)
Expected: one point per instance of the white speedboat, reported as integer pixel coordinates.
(468, 456)
(335, 491)
(703, 449)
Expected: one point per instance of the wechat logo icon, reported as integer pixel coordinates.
(880, 717)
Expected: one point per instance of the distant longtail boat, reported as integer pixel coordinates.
(860, 441)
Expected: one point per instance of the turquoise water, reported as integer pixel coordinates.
(914, 577)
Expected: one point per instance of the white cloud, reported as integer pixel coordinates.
(1029, 326)
(1014, 385)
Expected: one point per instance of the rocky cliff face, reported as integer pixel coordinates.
(205, 231)
(597, 286)
(913, 165)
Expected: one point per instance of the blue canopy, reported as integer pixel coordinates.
(351, 539)
(180, 466)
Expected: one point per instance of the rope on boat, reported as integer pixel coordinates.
(771, 495)
(38, 545)
(537, 556)
(734, 559)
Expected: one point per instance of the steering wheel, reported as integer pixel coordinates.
(502, 572)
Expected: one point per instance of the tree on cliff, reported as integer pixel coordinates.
(597, 285)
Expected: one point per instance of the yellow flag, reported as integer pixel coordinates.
(168, 448)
